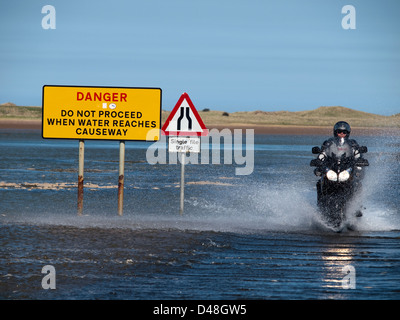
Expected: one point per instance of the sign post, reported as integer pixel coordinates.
(184, 121)
(121, 177)
(100, 113)
(182, 194)
(183, 145)
(80, 175)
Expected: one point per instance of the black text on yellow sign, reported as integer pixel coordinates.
(103, 113)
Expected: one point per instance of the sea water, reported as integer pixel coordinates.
(254, 236)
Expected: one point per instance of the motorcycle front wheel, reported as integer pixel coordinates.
(332, 208)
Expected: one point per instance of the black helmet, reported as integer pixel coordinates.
(341, 125)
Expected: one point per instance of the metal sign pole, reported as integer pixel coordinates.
(121, 177)
(192, 125)
(80, 176)
(182, 182)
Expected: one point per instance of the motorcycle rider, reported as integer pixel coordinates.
(338, 145)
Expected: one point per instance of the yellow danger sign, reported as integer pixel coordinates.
(103, 113)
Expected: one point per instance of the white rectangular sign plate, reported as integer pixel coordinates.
(184, 144)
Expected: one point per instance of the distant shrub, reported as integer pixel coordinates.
(205, 110)
(225, 114)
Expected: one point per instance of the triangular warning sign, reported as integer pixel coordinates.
(184, 120)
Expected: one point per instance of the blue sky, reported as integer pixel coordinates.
(227, 55)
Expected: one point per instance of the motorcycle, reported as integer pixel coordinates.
(340, 179)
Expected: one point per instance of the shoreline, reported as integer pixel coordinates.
(26, 124)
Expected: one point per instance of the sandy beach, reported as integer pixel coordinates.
(25, 124)
(20, 124)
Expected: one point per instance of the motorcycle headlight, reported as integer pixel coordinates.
(344, 175)
(331, 175)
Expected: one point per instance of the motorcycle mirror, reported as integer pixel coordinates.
(316, 150)
(363, 149)
(361, 162)
(315, 163)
